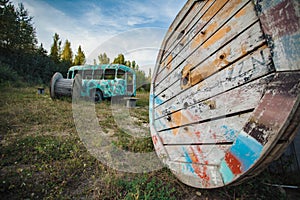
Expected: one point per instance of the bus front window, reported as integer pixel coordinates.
(70, 74)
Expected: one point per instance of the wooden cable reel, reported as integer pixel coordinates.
(60, 87)
(225, 92)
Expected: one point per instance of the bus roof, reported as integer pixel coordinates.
(103, 66)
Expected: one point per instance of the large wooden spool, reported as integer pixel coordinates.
(224, 98)
(60, 87)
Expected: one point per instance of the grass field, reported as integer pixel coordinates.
(43, 157)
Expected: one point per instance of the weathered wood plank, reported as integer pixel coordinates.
(186, 32)
(280, 21)
(198, 154)
(232, 52)
(194, 10)
(213, 132)
(201, 31)
(234, 101)
(196, 175)
(212, 10)
(254, 65)
(166, 53)
(188, 76)
(208, 35)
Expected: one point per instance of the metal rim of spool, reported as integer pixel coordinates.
(54, 78)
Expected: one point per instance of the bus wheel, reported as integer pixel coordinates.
(98, 96)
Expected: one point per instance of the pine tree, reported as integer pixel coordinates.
(120, 59)
(67, 54)
(55, 48)
(128, 63)
(103, 59)
(41, 50)
(133, 64)
(16, 28)
(26, 31)
(95, 62)
(80, 57)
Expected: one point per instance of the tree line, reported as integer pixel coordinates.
(22, 60)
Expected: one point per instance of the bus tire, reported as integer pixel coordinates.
(98, 97)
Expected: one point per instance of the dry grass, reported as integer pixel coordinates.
(42, 156)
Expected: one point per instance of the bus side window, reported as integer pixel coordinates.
(98, 74)
(121, 74)
(87, 74)
(109, 74)
(70, 74)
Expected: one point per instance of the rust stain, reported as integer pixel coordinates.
(185, 77)
(230, 8)
(169, 66)
(197, 77)
(167, 63)
(203, 34)
(244, 49)
(217, 36)
(211, 104)
(196, 41)
(169, 59)
(202, 72)
(176, 118)
(183, 41)
(175, 121)
(212, 27)
(187, 131)
(213, 9)
(180, 118)
(242, 12)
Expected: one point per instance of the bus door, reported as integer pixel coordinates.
(129, 83)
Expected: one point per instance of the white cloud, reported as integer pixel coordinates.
(141, 45)
(112, 30)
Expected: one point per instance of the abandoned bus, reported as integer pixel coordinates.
(105, 81)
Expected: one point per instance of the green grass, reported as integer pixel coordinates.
(42, 156)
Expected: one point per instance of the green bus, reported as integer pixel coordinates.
(105, 81)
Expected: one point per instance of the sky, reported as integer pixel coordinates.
(135, 28)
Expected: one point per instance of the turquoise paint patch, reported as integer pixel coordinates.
(158, 101)
(188, 159)
(230, 134)
(226, 173)
(247, 150)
